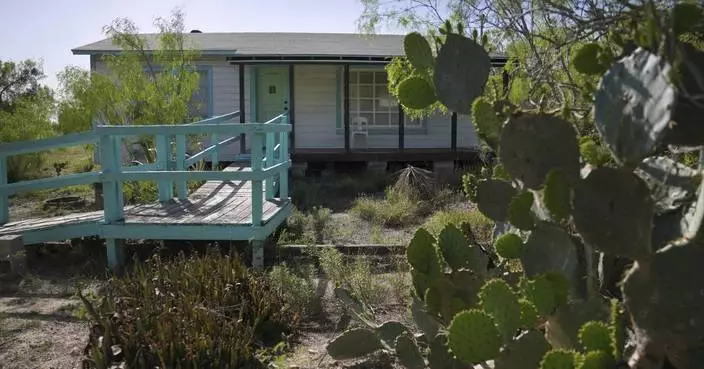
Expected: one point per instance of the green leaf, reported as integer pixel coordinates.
(499, 301)
(353, 343)
(418, 51)
(519, 211)
(587, 60)
(461, 71)
(494, 197)
(416, 93)
(634, 104)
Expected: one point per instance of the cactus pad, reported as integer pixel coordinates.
(587, 59)
(594, 336)
(461, 71)
(390, 330)
(613, 212)
(557, 195)
(672, 184)
(416, 93)
(456, 250)
(562, 327)
(353, 343)
(687, 129)
(499, 172)
(408, 352)
(473, 337)
(467, 284)
(595, 360)
(509, 246)
(549, 248)
(634, 104)
(486, 122)
(439, 357)
(418, 51)
(529, 314)
(519, 211)
(426, 323)
(540, 293)
(532, 145)
(559, 359)
(664, 296)
(499, 301)
(525, 352)
(494, 197)
(422, 254)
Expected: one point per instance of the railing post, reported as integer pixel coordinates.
(284, 157)
(4, 199)
(181, 188)
(215, 156)
(257, 201)
(162, 156)
(113, 198)
(270, 143)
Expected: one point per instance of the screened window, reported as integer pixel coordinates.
(370, 98)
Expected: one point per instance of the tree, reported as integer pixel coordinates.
(26, 108)
(141, 86)
(18, 80)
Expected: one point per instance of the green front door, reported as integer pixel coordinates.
(272, 92)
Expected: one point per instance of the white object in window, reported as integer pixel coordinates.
(359, 129)
(370, 99)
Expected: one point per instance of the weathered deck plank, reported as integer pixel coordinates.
(215, 202)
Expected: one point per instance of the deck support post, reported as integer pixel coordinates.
(116, 253)
(4, 199)
(257, 254)
(257, 190)
(162, 153)
(284, 157)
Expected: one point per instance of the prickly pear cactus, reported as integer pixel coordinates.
(473, 336)
(416, 93)
(509, 246)
(462, 69)
(532, 145)
(486, 122)
(418, 51)
(634, 104)
(498, 300)
(559, 359)
(494, 197)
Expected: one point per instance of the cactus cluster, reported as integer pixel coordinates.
(571, 211)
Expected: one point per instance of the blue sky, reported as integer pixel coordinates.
(47, 29)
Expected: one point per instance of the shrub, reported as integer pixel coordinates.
(482, 227)
(193, 312)
(395, 210)
(356, 276)
(296, 287)
(140, 192)
(307, 228)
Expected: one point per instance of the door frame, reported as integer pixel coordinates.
(254, 87)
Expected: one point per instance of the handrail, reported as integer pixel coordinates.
(269, 168)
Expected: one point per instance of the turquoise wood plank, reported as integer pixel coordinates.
(51, 182)
(215, 156)
(218, 119)
(142, 168)
(62, 232)
(284, 156)
(29, 146)
(111, 197)
(162, 156)
(185, 129)
(180, 231)
(274, 222)
(256, 163)
(181, 188)
(4, 194)
(115, 252)
(269, 161)
(206, 175)
(210, 149)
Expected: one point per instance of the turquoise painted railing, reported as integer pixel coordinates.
(269, 163)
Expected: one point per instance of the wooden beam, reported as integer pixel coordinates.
(243, 119)
(346, 111)
(401, 126)
(506, 79)
(453, 145)
(291, 107)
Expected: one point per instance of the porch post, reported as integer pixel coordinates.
(346, 113)
(454, 132)
(243, 142)
(401, 127)
(291, 107)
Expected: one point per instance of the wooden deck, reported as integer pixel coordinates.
(215, 203)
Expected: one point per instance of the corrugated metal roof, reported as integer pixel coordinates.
(275, 44)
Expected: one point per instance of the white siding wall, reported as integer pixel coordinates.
(315, 107)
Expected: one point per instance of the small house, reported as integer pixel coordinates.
(334, 88)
